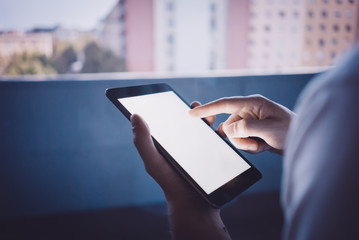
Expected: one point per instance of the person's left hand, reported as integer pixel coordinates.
(175, 188)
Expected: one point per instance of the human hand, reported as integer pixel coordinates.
(174, 187)
(251, 117)
(190, 217)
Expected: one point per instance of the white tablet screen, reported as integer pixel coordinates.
(190, 141)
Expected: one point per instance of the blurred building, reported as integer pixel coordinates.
(127, 30)
(275, 33)
(293, 33)
(112, 33)
(330, 28)
(18, 42)
(237, 34)
(168, 35)
(190, 36)
(197, 36)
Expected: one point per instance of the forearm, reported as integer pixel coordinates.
(189, 221)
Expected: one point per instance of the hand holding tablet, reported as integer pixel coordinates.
(207, 161)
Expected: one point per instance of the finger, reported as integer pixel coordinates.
(223, 105)
(209, 119)
(220, 130)
(143, 141)
(154, 162)
(231, 119)
(195, 104)
(245, 128)
(249, 145)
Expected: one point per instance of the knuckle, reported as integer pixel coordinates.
(258, 101)
(236, 128)
(226, 102)
(258, 98)
(243, 126)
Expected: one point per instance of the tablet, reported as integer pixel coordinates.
(215, 168)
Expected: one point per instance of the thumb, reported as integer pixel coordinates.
(143, 140)
(245, 128)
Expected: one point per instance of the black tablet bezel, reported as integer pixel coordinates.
(222, 195)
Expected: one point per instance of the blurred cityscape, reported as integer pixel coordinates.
(184, 36)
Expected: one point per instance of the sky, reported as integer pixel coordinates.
(26, 14)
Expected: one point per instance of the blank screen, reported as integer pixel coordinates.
(190, 141)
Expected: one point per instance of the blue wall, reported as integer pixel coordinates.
(65, 147)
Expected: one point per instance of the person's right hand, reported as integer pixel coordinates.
(256, 124)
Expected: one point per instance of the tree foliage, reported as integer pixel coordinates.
(98, 60)
(25, 63)
(62, 63)
(94, 60)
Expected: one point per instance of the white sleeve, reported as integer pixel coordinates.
(320, 186)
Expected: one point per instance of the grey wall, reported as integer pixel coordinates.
(65, 147)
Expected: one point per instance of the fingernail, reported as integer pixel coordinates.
(252, 148)
(192, 113)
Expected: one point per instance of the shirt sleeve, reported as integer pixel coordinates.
(320, 186)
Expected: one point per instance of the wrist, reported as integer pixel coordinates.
(195, 219)
(192, 202)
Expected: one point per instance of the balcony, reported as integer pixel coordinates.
(68, 168)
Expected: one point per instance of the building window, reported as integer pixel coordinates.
(336, 28)
(348, 28)
(310, 14)
(213, 24)
(170, 39)
(321, 42)
(170, 6)
(324, 14)
(332, 55)
(213, 7)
